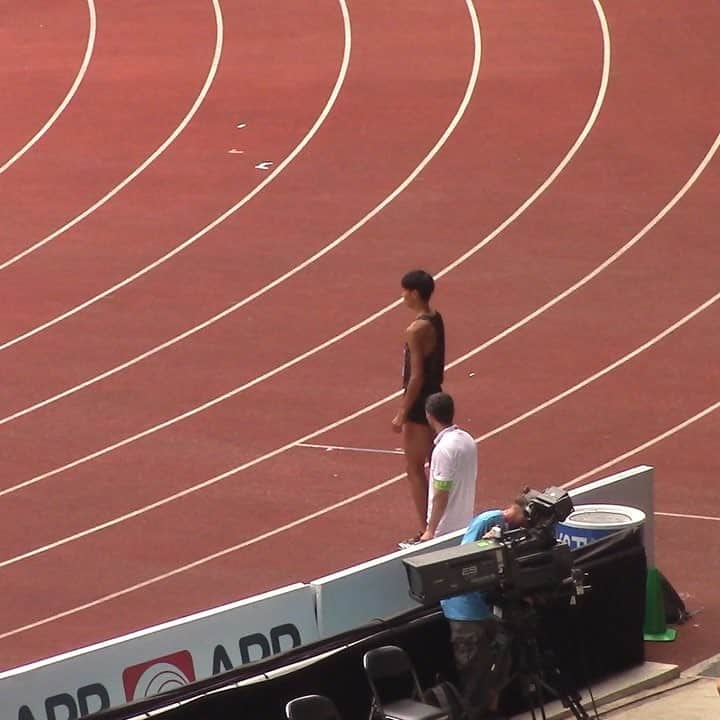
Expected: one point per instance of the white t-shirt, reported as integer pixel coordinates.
(453, 467)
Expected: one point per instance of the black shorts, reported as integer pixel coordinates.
(416, 413)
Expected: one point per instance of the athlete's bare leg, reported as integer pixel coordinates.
(417, 443)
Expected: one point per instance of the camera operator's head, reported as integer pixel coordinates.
(515, 514)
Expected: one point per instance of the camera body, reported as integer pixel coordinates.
(520, 563)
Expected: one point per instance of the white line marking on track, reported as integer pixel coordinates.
(688, 517)
(314, 515)
(693, 178)
(658, 438)
(32, 481)
(695, 175)
(371, 318)
(90, 47)
(472, 81)
(141, 168)
(348, 418)
(327, 428)
(350, 449)
(564, 162)
(605, 264)
(221, 218)
(277, 531)
(606, 370)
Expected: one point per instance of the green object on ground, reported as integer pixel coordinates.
(655, 628)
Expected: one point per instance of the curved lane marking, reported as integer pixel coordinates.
(212, 72)
(390, 481)
(496, 431)
(676, 198)
(89, 49)
(371, 318)
(319, 513)
(472, 82)
(221, 218)
(654, 441)
(481, 438)
(309, 353)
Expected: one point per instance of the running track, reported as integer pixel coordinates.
(168, 358)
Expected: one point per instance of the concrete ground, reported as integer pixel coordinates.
(694, 695)
(694, 699)
(653, 691)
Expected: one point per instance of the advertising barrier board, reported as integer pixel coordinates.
(378, 588)
(160, 658)
(163, 657)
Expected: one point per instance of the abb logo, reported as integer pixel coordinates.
(160, 675)
(152, 677)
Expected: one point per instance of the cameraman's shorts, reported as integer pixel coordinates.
(483, 658)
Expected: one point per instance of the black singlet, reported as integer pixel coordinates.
(433, 368)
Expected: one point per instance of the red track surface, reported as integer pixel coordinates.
(409, 68)
(41, 49)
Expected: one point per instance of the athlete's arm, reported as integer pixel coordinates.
(417, 372)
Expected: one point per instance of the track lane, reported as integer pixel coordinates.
(165, 202)
(17, 257)
(111, 292)
(55, 30)
(300, 382)
(202, 380)
(205, 580)
(97, 140)
(687, 347)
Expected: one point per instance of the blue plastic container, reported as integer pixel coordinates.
(588, 523)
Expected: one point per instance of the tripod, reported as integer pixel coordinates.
(537, 671)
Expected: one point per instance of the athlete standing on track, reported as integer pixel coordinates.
(423, 369)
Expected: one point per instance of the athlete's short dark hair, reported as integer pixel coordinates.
(419, 280)
(441, 407)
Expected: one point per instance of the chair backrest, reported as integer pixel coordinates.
(391, 675)
(312, 707)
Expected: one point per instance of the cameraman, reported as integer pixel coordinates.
(479, 648)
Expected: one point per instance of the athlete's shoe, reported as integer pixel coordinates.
(410, 542)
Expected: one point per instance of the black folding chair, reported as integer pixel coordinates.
(395, 687)
(312, 707)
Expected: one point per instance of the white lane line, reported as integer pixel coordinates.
(90, 47)
(604, 265)
(371, 318)
(220, 219)
(304, 440)
(277, 531)
(658, 438)
(219, 31)
(330, 448)
(472, 81)
(309, 353)
(348, 418)
(688, 517)
(304, 519)
(606, 370)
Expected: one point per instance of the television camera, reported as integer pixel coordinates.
(515, 564)
(517, 570)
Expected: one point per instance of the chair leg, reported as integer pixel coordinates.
(374, 711)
